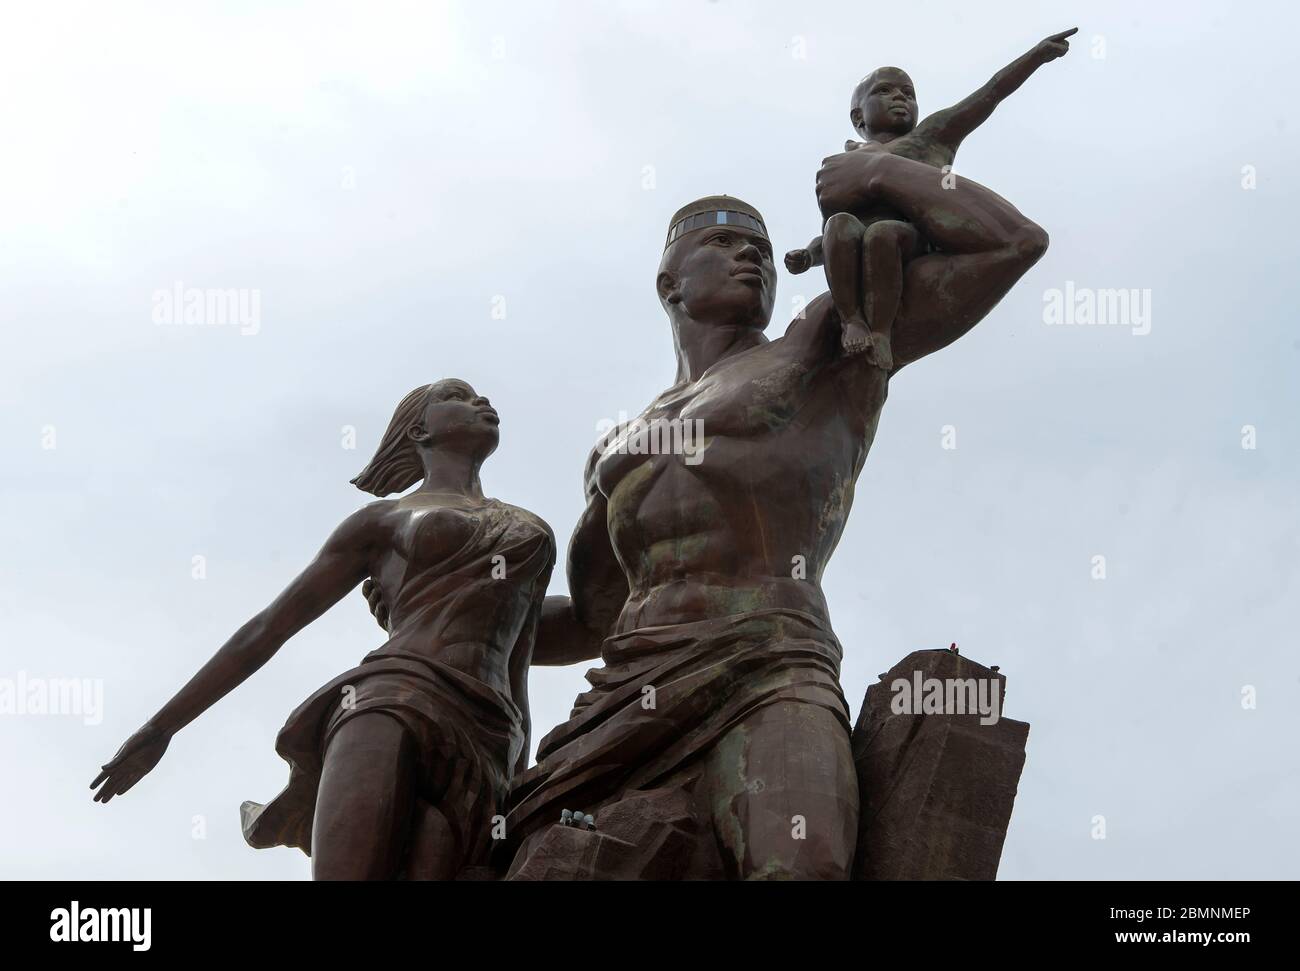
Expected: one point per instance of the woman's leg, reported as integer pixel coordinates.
(365, 800)
(435, 850)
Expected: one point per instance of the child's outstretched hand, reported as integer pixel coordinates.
(1055, 46)
(798, 260)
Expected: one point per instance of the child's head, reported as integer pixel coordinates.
(884, 102)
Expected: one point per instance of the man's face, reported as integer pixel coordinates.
(889, 102)
(725, 275)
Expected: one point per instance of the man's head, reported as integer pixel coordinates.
(717, 264)
(884, 102)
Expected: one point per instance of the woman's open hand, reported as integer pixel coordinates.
(133, 761)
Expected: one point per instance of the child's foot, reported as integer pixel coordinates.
(882, 355)
(857, 337)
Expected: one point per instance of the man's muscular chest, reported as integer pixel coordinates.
(744, 399)
(756, 392)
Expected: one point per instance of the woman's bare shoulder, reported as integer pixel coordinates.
(373, 521)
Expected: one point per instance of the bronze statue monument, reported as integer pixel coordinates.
(715, 739)
(701, 572)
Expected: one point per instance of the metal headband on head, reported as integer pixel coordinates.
(716, 211)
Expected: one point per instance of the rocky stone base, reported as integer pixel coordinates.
(936, 788)
(648, 835)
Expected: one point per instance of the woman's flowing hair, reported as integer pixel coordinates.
(396, 465)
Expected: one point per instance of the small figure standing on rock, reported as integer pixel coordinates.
(864, 251)
(580, 820)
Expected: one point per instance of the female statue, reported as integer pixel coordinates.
(398, 766)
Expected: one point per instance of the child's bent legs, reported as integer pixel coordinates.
(842, 249)
(886, 246)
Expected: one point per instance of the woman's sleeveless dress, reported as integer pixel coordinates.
(468, 734)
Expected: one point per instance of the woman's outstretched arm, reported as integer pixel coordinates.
(342, 563)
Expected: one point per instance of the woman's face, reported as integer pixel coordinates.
(459, 418)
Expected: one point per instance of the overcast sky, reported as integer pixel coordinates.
(419, 191)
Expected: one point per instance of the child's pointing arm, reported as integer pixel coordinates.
(951, 125)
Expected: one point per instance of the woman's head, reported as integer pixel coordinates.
(447, 416)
